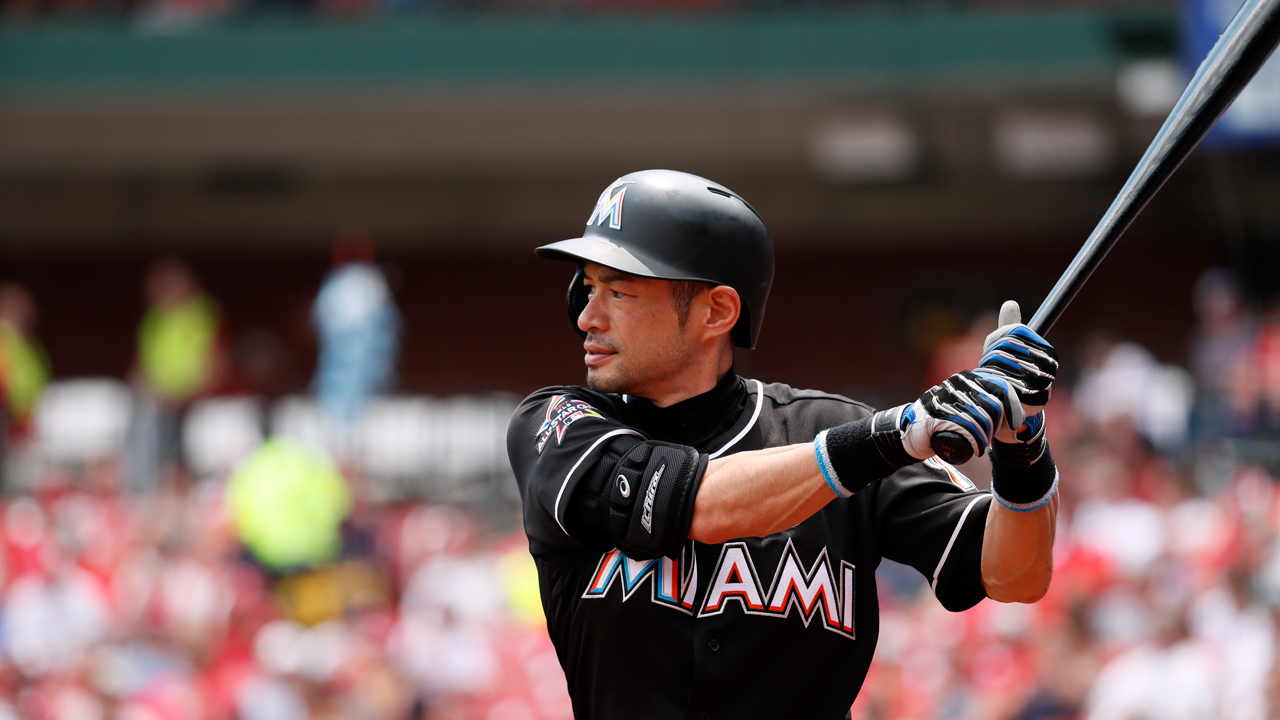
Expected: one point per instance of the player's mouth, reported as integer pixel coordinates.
(597, 355)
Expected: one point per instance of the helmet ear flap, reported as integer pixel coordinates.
(576, 299)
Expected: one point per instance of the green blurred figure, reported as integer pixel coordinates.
(181, 358)
(24, 367)
(287, 502)
(24, 371)
(178, 340)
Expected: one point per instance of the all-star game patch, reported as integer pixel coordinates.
(561, 413)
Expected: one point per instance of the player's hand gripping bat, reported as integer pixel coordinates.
(1243, 47)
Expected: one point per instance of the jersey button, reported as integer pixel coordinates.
(715, 647)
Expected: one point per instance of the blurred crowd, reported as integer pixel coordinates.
(174, 14)
(1166, 591)
(283, 585)
(181, 14)
(151, 608)
(142, 579)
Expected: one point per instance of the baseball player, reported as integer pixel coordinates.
(707, 544)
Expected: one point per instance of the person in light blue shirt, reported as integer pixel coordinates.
(359, 327)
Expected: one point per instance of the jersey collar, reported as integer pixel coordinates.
(746, 421)
(698, 421)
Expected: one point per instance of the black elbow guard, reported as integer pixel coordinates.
(651, 498)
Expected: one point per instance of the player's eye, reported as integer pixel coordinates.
(617, 295)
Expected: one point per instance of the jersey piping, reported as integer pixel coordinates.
(954, 534)
(572, 470)
(755, 415)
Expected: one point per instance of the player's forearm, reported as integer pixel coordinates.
(1017, 552)
(758, 493)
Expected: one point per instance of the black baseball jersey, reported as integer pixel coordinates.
(777, 627)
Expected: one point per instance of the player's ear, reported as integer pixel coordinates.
(723, 308)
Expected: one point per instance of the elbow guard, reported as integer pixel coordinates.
(651, 492)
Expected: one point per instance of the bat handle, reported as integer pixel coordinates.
(952, 447)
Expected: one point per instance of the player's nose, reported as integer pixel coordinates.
(593, 317)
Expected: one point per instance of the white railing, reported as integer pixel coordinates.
(450, 448)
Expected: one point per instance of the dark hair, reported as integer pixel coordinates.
(682, 294)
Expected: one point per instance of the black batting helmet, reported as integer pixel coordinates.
(676, 226)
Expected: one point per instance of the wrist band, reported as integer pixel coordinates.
(854, 455)
(1017, 484)
(824, 464)
(1027, 507)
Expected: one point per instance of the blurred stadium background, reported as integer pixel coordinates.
(268, 298)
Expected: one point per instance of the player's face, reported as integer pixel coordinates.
(634, 342)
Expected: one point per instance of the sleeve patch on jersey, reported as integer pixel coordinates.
(954, 474)
(562, 412)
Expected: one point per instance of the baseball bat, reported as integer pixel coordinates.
(1243, 47)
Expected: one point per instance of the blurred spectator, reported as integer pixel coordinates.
(168, 16)
(359, 329)
(179, 353)
(24, 367)
(1172, 677)
(24, 371)
(1127, 530)
(181, 357)
(1220, 342)
(1069, 659)
(1256, 385)
(287, 502)
(1230, 618)
(52, 618)
(1123, 380)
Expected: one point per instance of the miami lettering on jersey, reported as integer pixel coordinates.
(812, 592)
(562, 412)
(668, 586)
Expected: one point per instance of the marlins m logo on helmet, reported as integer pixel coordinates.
(610, 205)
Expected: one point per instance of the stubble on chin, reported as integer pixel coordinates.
(604, 382)
(609, 379)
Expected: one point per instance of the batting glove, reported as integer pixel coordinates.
(974, 403)
(1029, 364)
(1024, 358)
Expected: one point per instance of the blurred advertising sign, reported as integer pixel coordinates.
(1254, 117)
